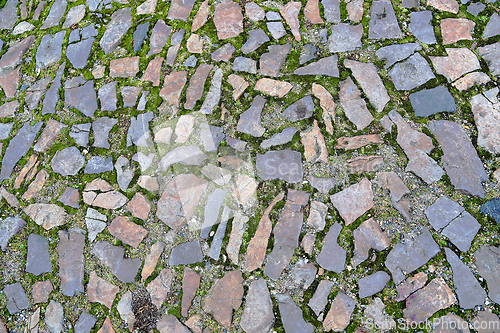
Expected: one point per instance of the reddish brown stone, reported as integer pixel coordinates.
(424, 303)
(458, 62)
(10, 198)
(101, 291)
(127, 231)
(244, 188)
(98, 184)
(148, 183)
(106, 327)
(70, 197)
(327, 104)
(9, 109)
(124, 67)
(48, 136)
(355, 10)
(170, 324)
(391, 181)
(254, 12)
(194, 44)
(153, 71)
(172, 87)
(368, 236)
(15, 53)
(226, 296)
(223, 53)
(196, 85)
(26, 168)
(256, 250)
(355, 142)
(290, 13)
(9, 80)
(362, 164)
(190, 283)
(139, 206)
(195, 323)
(110, 200)
(201, 16)
(36, 185)
(180, 9)
(471, 79)
(239, 84)
(41, 291)
(455, 29)
(228, 19)
(314, 144)
(152, 259)
(47, 215)
(354, 201)
(339, 316)
(410, 285)
(160, 287)
(451, 6)
(308, 243)
(311, 12)
(235, 239)
(273, 87)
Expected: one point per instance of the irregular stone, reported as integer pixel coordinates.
(41, 291)
(39, 9)
(49, 50)
(107, 96)
(138, 132)
(462, 230)
(354, 106)
(8, 14)
(290, 13)
(353, 201)
(331, 10)
(101, 128)
(112, 256)
(139, 206)
(320, 298)
(421, 26)
(152, 259)
(159, 36)
(47, 215)
(129, 95)
(471, 79)
(299, 110)
(455, 29)
(486, 258)
(172, 88)
(490, 54)
(291, 315)
(397, 52)
(239, 225)
(451, 323)
(237, 144)
(458, 151)
(281, 164)
(424, 303)
(106, 327)
(430, 101)
(311, 12)
(55, 15)
(211, 137)
(277, 29)
(307, 53)
(373, 283)
(212, 209)
(186, 254)
(355, 142)
(485, 322)
(256, 38)
(54, 317)
(194, 44)
(71, 261)
(327, 104)
(82, 97)
(458, 62)
(411, 73)
(224, 53)
(272, 87)
(169, 323)
(175, 43)
(186, 155)
(270, 63)
(8, 228)
(201, 16)
(239, 84)
(278, 139)
(17, 300)
(124, 308)
(314, 144)
(110, 200)
(405, 258)
(383, 22)
(244, 189)
(48, 136)
(196, 85)
(451, 6)
(242, 64)
(368, 236)
(410, 285)
(9, 109)
(160, 287)
(38, 258)
(226, 296)
(140, 35)
(254, 12)
(345, 37)
(258, 314)
(376, 315)
(75, 14)
(98, 164)
(339, 316)
(15, 53)
(180, 10)
(332, 256)
(214, 93)
(124, 67)
(121, 21)
(391, 181)
(323, 185)
(493, 26)
(303, 274)
(127, 231)
(218, 175)
(9, 81)
(250, 122)
(190, 283)
(228, 19)
(124, 174)
(101, 291)
(355, 10)
(67, 161)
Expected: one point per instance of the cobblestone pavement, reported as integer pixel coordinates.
(233, 166)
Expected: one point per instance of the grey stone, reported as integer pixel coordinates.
(94, 227)
(397, 52)
(320, 298)
(78, 53)
(279, 139)
(258, 314)
(8, 15)
(212, 209)
(125, 269)
(250, 122)
(442, 212)
(18, 147)
(71, 261)
(216, 245)
(191, 61)
(211, 136)
(85, 323)
(476, 8)
(410, 3)
(124, 308)
(223, 53)
(101, 128)
(129, 95)
(326, 66)
(17, 300)
(74, 36)
(121, 21)
(213, 96)
(462, 230)
(55, 15)
(323, 185)
(372, 284)
(277, 29)
(237, 144)
(186, 254)
(54, 317)
(107, 96)
(159, 37)
(180, 10)
(421, 27)
(70, 197)
(140, 35)
(405, 258)
(124, 174)
(52, 94)
(303, 275)
(75, 15)
(271, 62)
(492, 208)
(469, 291)
(138, 132)
(281, 164)
(486, 260)
(299, 110)
(307, 53)
(82, 97)
(345, 37)
(185, 155)
(383, 21)
(273, 16)
(493, 26)
(460, 159)
(34, 93)
(331, 10)
(99, 164)
(22, 28)
(291, 316)
(491, 53)
(38, 258)
(5, 129)
(8, 228)
(49, 50)
(430, 101)
(175, 43)
(411, 73)
(80, 133)
(256, 38)
(332, 256)
(242, 64)
(67, 162)
(277, 260)
(354, 106)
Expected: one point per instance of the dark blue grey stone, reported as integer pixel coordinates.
(383, 21)
(17, 299)
(301, 109)
(430, 101)
(493, 26)
(278, 139)
(492, 208)
(38, 259)
(242, 64)
(82, 97)
(125, 269)
(78, 53)
(372, 284)
(74, 36)
(5, 129)
(326, 66)
(89, 31)
(397, 52)
(49, 50)
(191, 61)
(291, 316)
(140, 35)
(476, 8)
(186, 254)
(332, 256)
(256, 38)
(52, 94)
(412, 73)
(56, 14)
(421, 26)
(308, 53)
(85, 323)
(138, 132)
(99, 164)
(331, 10)
(8, 228)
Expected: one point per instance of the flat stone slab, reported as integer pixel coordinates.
(410, 285)
(492, 208)
(17, 300)
(421, 26)
(397, 52)
(493, 26)
(458, 62)
(258, 314)
(354, 106)
(291, 315)
(442, 212)
(186, 254)
(332, 257)
(430, 101)
(320, 298)
(383, 22)
(462, 231)
(49, 50)
(345, 37)
(353, 201)
(339, 316)
(228, 19)
(226, 296)
(8, 228)
(490, 53)
(47, 215)
(412, 73)
(301, 109)
(279, 139)
(71, 261)
(325, 66)
(282, 164)
(486, 112)
(121, 21)
(125, 269)
(368, 236)
(38, 258)
(486, 258)
(456, 29)
(82, 97)
(373, 283)
(250, 122)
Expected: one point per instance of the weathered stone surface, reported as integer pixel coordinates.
(239, 84)
(278, 139)
(270, 63)
(8, 228)
(307, 53)
(290, 13)
(101, 291)
(107, 96)
(41, 291)
(303, 274)
(373, 283)
(458, 62)
(411, 73)
(224, 53)
(8, 14)
(281, 164)
(470, 80)
(311, 12)
(101, 128)
(124, 174)
(421, 26)
(486, 258)
(212, 208)
(242, 64)
(71, 261)
(256, 38)
(475, 9)
(339, 316)
(186, 155)
(121, 21)
(180, 10)
(317, 215)
(355, 10)
(462, 230)
(194, 44)
(159, 37)
(490, 54)
(451, 6)
(139, 206)
(331, 10)
(355, 142)
(291, 315)
(353, 201)
(368, 236)
(254, 12)
(345, 37)
(190, 283)
(430, 101)
(186, 254)
(391, 181)
(124, 308)
(175, 43)
(140, 35)
(226, 296)
(486, 108)
(460, 159)
(170, 324)
(15, 53)
(354, 106)
(424, 303)
(152, 259)
(314, 144)
(493, 26)
(9, 109)
(383, 22)
(258, 313)
(82, 97)
(376, 315)
(405, 258)
(109, 200)
(54, 317)
(299, 110)
(320, 298)
(124, 67)
(196, 85)
(125, 269)
(127, 231)
(250, 122)
(397, 52)
(75, 14)
(17, 300)
(228, 19)
(410, 285)
(332, 257)
(277, 29)
(106, 327)
(273, 87)
(48, 136)
(455, 29)
(67, 161)
(486, 322)
(9, 81)
(160, 287)
(99, 164)
(47, 215)
(49, 50)
(38, 258)
(56, 13)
